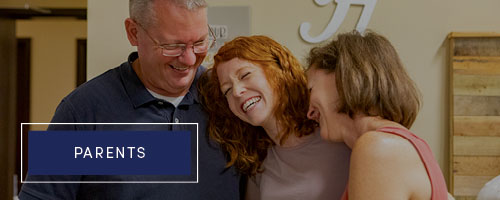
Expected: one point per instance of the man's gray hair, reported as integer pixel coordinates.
(142, 10)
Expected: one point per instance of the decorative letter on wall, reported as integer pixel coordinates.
(338, 17)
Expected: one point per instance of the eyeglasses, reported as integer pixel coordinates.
(178, 49)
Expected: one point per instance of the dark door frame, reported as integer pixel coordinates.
(81, 61)
(23, 75)
(21, 13)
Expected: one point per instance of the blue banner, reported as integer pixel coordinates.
(109, 152)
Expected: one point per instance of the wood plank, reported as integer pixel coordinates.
(451, 110)
(473, 34)
(483, 105)
(476, 125)
(477, 46)
(476, 85)
(476, 65)
(476, 146)
(476, 165)
(469, 185)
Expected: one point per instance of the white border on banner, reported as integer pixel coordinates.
(197, 154)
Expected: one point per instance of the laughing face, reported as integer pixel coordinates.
(323, 105)
(247, 91)
(170, 75)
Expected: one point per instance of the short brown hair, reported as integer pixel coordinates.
(246, 145)
(370, 77)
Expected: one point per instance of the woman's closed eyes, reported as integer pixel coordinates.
(241, 78)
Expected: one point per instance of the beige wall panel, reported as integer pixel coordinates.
(477, 47)
(477, 65)
(476, 106)
(476, 85)
(476, 165)
(469, 185)
(476, 146)
(53, 70)
(476, 125)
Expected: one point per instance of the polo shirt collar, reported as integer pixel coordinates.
(137, 91)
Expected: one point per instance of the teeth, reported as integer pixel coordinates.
(251, 102)
(179, 68)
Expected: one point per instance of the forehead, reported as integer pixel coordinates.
(311, 69)
(179, 24)
(320, 76)
(311, 74)
(232, 67)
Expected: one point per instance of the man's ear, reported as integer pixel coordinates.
(131, 29)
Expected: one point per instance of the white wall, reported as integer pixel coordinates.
(417, 29)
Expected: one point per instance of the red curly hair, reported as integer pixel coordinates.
(246, 145)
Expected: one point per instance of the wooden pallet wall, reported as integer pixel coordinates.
(475, 111)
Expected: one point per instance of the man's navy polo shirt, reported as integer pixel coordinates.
(118, 96)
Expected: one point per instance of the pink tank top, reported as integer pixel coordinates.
(438, 185)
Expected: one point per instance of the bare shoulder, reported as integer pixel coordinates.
(386, 166)
(380, 145)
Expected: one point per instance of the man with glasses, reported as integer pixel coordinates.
(156, 85)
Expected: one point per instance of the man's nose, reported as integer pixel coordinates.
(188, 57)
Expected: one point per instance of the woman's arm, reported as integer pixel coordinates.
(385, 166)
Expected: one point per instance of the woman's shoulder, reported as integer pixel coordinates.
(386, 153)
(381, 144)
(383, 156)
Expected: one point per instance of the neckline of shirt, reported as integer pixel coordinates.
(173, 100)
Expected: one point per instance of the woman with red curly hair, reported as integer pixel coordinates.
(256, 97)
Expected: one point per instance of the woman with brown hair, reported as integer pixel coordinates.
(361, 95)
(256, 97)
